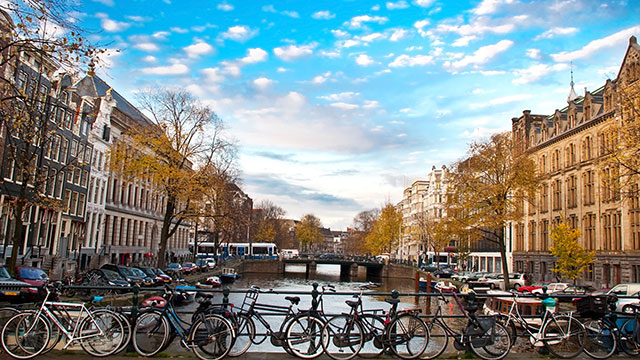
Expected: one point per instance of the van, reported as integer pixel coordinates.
(289, 253)
(628, 289)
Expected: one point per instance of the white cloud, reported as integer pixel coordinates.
(137, 18)
(345, 106)
(320, 79)
(536, 72)
(405, 111)
(616, 40)
(292, 52)
(149, 59)
(357, 21)
(481, 56)
(375, 7)
(406, 60)
(213, 76)
(111, 25)
(424, 3)
(413, 48)
(339, 33)
(324, 15)
(370, 104)
(398, 34)
(330, 54)
(254, 55)
(340, 96)
(105, 2)
(372, 37)
(161, 35)
(501, 100)
(364, 60)
(178, 30)
(231, 68)
(225, 7)
(443, 112)
(464, 41)
(401, 4)
(293, 14)
(350, 43)
(551, 33)
(419, 25)
(175, 69)
(487, 7)
(198, 48)
(262, 83)
(533, 53)
(146, 46)
(239, 33)
(281, 70)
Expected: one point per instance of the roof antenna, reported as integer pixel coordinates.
(572, 93)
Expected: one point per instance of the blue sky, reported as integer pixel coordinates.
(338, 105)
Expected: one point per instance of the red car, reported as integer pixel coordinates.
(34, 276)
(189, 268)
(534, 286)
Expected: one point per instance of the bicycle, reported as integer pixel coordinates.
(28, 334)
(210, 336)
(404, 333)
(562, 335)
(482, 335)
(603, 335)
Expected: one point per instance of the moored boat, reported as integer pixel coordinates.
(228, 275)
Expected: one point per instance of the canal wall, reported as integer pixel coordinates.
(261, 267)
(395, 271)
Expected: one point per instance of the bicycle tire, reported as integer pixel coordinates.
(128, 332)
(303, 329)
(342, 337)
(600, 340)
(564, 336)
(630, 337)
(7, 313)
(374, 344)
(21, 345)
(211, 337)
(511, 327)
(245, 332)
(438, 340)
(101, 334)
(150, 333)
(407, 336)
(493, 344)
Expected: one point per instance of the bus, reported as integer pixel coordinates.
(238, 250)
(446, 259)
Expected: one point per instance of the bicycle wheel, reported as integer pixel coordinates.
(510, 324)
(492, 344)
(211, 337)
(304, 336)
(128, 332)
(373, 327)
(407, 336)
(438, 340)
(245, 332)
(101, 333)
(564, 336)
(342, 337)
(7, 313)
(630, 337)
(600, 341)
(25, 336)
(150, 333)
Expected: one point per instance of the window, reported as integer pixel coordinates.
(572, 193)
(55, 149)
(572, 154)
(74, 203)
(520, 237)
(544, 198)
(63, 150)
(68, 119)
(85, 176)
(87, 154)
(76, 175)
(587, 149)
(91, 189)
(59, 184)
(588, 187)
(634, 214)
(106, 133)
(67, 198)
(80, 210)
(589, 221)
(532, 235)
(22, 80)
(70, 174)
(544, 234)
(557, 194)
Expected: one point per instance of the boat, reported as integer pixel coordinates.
(501, 305)
(422, 285)
(228, 275)
(185, 294)
(210, 282)
(446, 286)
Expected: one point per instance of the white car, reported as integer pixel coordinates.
(624, 305)
(516, 280)
(551, 288)
(210, 263)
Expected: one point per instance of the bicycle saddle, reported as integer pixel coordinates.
(392, 301)
(353, 304)
(471, 308)
(295, 300)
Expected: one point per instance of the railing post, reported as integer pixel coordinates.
(314, 296)
(427, 307)
(225, 297)
(134, 312)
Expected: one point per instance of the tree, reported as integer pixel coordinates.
(386, 231)
(268, 222)
(487, 190)
(183, 138)
(308, 231)
(432, 232)
(362, 225)
(45, 31)
(573, 258)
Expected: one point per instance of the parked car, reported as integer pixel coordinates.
(105, 277)
(174, 270)
(147, 279)
(485, 281)
(14, 290)
(551, 288)
(516, 280)
(475, 276)
(624, 305)
(202, 265)
(34, 276)
(534, 286)
(211, 263)
(627, 289)
(573, 290)
(162, 275)
(133, 277)
(462, 276)
(188, 268)
(444, 273)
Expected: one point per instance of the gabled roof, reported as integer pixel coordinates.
(633, 44)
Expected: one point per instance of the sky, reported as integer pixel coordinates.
(337, 106)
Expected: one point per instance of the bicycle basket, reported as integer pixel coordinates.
(485, 323)
(249, 299)
(592, 306)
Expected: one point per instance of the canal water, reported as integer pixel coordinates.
(294, 280)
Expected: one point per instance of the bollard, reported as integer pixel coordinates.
(427, 308)
(395, 294)
(134, 312)
(314, 297)
(225, 297)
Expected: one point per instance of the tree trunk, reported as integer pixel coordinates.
(164, 233)
(18, 237)
(503, 256)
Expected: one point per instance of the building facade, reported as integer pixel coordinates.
(570, 148)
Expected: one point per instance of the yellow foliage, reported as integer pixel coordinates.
(386, 231)
(573, 258)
